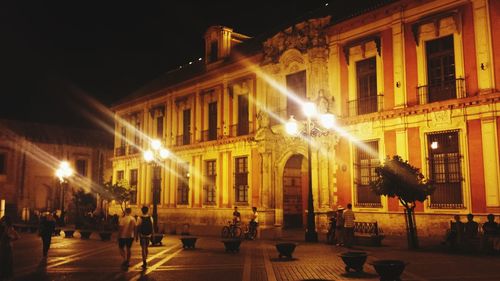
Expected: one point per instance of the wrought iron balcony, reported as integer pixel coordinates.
(208, 135)
(446, 90)
(240, 129)
(133, 149)
(183, 139)
(365, 105)
(120, 151)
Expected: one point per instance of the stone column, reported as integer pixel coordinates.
(318, 74)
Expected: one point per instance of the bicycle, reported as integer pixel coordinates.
(231, 230)
(251, 231)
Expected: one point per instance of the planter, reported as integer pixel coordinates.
(85, 234)
(68, 233)
(156, 239)
(285, 249)
(57, 231)
(232, 245)
(105, 235)
(389, 270)
(354, 260)
(188, 242)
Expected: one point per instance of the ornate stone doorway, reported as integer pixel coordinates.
(294, 192)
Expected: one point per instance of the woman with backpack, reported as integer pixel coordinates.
(144, 232)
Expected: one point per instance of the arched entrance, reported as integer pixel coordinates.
(295, 192)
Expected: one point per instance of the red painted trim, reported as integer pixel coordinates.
(477, 185)
(415, 155)
(344, 84)
(390, 150)
(387, 57)
(344, 183)
(410, 66)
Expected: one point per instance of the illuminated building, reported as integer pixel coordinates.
(30, 154)
(414, 78)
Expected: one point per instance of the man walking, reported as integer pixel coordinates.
(349, 218)
(144, 232)
(47, 226)
(126, 236)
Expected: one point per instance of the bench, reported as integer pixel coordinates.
(367, 234)
(458, 239)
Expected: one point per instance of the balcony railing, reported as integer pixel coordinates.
(208, 135)
(120, 151)
(446, 90)
(240, 129)
(133, 149)
(184, 139)
(365, 105)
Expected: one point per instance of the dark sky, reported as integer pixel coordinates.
(53, 53)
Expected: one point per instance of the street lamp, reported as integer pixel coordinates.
(316, 124)
(63, 173)
(154, 156)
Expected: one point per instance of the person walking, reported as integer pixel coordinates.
(145, 231)
(46, 230)
(126, 236)
(349, 218)
(339, 227)
(7, 235)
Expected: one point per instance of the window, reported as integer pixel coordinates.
(119, 176)
(183, 184)
(212, 121)
(81, 167)
(242, 115)
(440, 69)
(445, 170)
(210, 185)
(123, 136)
(137, 132)
(366, 161)
(133, 186)
(366, 74)
(186, 126)
(296, 83)
(241, 179)
(3, 164)
(159, 127)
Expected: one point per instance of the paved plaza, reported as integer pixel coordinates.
(76, 259)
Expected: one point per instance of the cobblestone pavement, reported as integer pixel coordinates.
(76, 259)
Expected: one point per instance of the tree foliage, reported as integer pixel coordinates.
(119, 191)
(397, 178)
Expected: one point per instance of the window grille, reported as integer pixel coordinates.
(445, 170)
(367, 160)
(210, 186)
(241, 180)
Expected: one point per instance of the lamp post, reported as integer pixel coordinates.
(155, 155)
(311, 128)
(63, 173)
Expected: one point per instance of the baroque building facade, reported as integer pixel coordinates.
(414, 78)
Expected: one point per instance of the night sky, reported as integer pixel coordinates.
(54, 54)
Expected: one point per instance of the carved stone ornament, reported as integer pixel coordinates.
(301, 36)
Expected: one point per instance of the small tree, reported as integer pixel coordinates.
(84, 203)
(119, 191)
(397, 178)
